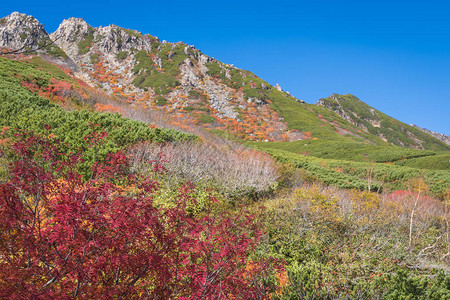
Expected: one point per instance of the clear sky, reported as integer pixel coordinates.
(393, 55)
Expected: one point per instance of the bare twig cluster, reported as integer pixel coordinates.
(232, 168)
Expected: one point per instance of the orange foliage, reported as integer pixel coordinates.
(108, 108)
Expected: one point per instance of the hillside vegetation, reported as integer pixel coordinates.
(359, 174)
(24, 106)
(99, 200)
(379, 124)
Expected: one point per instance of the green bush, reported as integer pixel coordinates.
(85, 44)
(150, 76)
(351, 174)
(204, 118)
(160, 100)
(122, 55)
(94, 58)
(132, 32)
(214, 69)
(194, 94)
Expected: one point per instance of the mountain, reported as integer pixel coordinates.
(197, 90)
(20, 33)
(377, 123)
(88, 146)
(443, 137)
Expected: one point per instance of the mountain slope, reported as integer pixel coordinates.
(195, 89)
(171, 77)
(379, 124)
(176, 77)
(443, 137)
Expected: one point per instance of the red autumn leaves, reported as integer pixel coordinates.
(65, 236)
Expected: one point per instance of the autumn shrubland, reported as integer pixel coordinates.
(103, 199)
(65, 235)
(367, 174)
(230, 168)
(338, 243)
(129, 237)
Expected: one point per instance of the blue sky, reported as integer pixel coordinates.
(394, 55)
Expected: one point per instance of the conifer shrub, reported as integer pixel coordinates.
(122, 55)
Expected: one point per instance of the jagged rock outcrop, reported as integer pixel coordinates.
(443, 137)
(23, 34)
(76, 38)
(278, 87)
(87, 46)
(20, 32)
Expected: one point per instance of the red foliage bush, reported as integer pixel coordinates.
(65, 236)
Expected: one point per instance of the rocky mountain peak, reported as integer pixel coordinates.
(16, 19)
(71, 30)
(79, 40)
(20, 31)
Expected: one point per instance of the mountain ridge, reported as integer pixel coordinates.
(441, 136)
(180, 80)
(377, 123)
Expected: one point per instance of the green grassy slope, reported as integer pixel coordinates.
(349, 150)
(321, 122)
(380, 124)
(440, 161)
(359, 174)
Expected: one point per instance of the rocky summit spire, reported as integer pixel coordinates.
(22, 32)
(79, 40)
(71, 30)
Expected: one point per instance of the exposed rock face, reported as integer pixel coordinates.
(278, 87)
(23, 34)
(20, 31)
(219, 99)
(69, 34)
(194, 75)
(443, 137)
(339, 109)
(108, 40)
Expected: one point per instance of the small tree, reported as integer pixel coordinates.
(416, 187)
